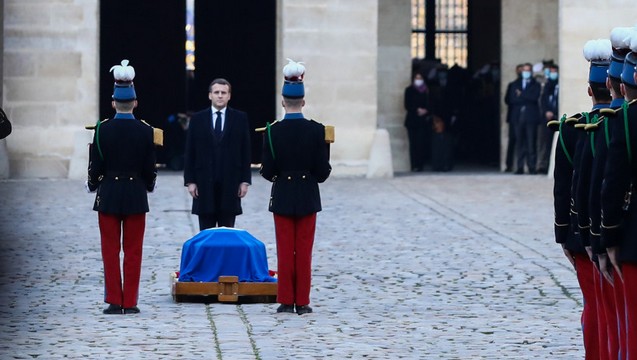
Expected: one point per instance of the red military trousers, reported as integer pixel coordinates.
(585, 270)
(294, 242)
(122, 232)
(629, 271)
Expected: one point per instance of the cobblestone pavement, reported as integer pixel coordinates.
(428, 266)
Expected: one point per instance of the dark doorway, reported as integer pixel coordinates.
(236, 40)
(151, 35)
(456, 45)
(233, 39)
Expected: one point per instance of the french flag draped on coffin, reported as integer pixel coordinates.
(224, 252)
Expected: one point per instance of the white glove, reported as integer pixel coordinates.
(87, 188)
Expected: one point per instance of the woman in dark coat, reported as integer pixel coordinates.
(417, 121)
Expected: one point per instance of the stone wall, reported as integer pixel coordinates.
(50, 82)
(574, 74)
(338, 41)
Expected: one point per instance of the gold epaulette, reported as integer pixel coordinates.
(158, 134)
(261, 129)
(608, 111)
(573, 119)
(93, 126)
(553, 125)
(329, 132)
(580, 126)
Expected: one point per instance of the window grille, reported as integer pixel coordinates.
(440, 31)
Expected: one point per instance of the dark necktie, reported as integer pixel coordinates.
(218, 124)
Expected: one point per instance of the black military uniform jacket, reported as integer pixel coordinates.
(582, 175)
(295, 160)
(122, 165)
(619, 211)
(225, 161)
(565, 161)
(599, 134)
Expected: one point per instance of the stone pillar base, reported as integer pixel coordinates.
(4, 160)
(380, 161)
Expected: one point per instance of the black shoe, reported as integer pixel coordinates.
(285, 309)
(112, 309)
(131, 310)
(532, 171)
(304, 309)
(507, 169)
(519, 172)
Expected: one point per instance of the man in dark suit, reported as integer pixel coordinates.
(549, 101)
(122, 170)
(510, 156)
(523, 99)
(295, 160)
(217, 159)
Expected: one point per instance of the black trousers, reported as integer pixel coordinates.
(511, 147)
(207, 221)
(218, 218)
(526, 137)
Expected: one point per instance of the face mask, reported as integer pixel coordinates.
(419, 82)
(526, 74)
(553, 76)
(547, 73)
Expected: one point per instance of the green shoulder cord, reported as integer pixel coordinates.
(568, 156)
(593, 121)
(606, 134)
(267, 128)
(625, 109)
(97, 138)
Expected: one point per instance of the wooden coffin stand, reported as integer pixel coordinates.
(227, 290)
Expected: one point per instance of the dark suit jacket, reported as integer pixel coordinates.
(224, 161)
(125, 169)
(525, 107)
(550, 98)
(300, 162)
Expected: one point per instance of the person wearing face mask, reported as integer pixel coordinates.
(510, 156)
(549, 102)
(417, 121)
(523, 100)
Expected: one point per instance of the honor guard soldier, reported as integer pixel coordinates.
(612, 310)
(122, 171)
(619, 215)
(598, 52)
(295, 160)
(568, 160)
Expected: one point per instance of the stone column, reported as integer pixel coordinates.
(50, 73)
(394, 66)
(338, 41)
